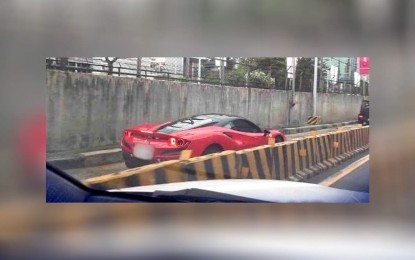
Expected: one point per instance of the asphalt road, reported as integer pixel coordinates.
(356, 179)
(85, 173)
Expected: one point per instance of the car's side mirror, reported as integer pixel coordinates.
(266, 132)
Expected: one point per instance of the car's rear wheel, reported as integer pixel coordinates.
(212, 149)
(132, 162)
(279, 139)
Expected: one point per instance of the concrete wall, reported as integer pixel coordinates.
(87, 112)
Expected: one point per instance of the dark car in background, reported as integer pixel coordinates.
(363, 116)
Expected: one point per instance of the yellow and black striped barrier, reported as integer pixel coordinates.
(294, 160)
(211, 167)
(337, 147)
(313, 120)
(366, 135)
(360, 138)
(158, 173)
(302, 154)
(278, 161)
(307, 157)
(323, 151)
(291, 161)
(348, 144)
(255, 163)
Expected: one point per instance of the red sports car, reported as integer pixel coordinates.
(203, 134)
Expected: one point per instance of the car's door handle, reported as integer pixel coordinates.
(228, 134)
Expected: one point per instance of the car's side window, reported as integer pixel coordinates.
(229, 125)
(245, 126)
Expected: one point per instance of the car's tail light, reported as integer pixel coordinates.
(180, 142)
(172, 141)
(177, 142)
(360, 116)
(127, 133)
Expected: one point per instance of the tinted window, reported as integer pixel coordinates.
(186, 124)
(245, 126)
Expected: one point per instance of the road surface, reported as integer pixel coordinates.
(350, 175)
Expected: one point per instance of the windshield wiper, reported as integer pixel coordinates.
(195, 195)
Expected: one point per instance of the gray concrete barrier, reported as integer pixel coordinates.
(90, 112)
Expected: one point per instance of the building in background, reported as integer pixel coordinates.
(364, 71)
(345, 66)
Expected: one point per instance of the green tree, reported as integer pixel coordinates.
(273, 68)
(236, 77)
(304, 74)
(210, 76)
(322, 75)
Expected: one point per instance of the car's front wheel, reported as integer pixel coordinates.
(133, 162)
(279, 139)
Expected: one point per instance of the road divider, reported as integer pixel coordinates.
(158, 173)
(291, 161)
(255, 162)
(323, 152)
(337, 146)
(278, 161)
(211, 167)
(303, 158)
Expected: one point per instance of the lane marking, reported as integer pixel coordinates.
(344, 172)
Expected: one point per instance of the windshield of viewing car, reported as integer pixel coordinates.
(132, 128)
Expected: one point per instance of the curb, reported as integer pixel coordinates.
(296, 130)
(88, 159)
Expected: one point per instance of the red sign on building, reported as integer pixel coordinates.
(364, 65)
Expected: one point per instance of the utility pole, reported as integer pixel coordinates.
(292, 99)
(294, 69)
(199, 72)
(138, 67)
(222, 71)
(315, 86)
(328, 78)
(247, 76)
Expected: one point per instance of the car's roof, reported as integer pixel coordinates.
(215, 116)
(196, 121)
